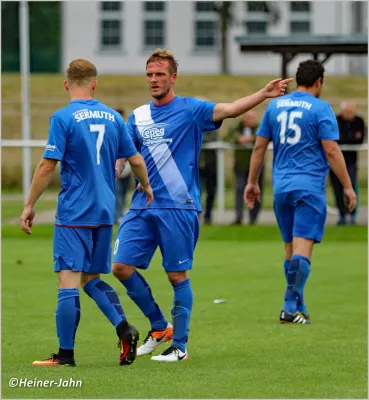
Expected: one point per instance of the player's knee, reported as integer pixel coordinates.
(68, 279)
(177, 277)
(122, 271)
(302, 246)
(85, 278)
(288, 251)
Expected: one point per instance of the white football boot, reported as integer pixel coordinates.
(171, 354)
(154, 339)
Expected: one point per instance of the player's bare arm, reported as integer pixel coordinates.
(252, 190)
(40, 182)
(119, 166)
(138, 166)
(338, 165)
(274, 88)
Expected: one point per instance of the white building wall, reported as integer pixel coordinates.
(79, 31)
(81, 39)
(181, 38)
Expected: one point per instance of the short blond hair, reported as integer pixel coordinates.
(162, 55)
(81, 71)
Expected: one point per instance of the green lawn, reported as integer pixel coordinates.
(237, 349)
(13, 208)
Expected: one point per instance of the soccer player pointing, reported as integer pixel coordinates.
(168, 132)
(87, 138)
(304, 132)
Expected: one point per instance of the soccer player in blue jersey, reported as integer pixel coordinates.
(304, 132)
(87, 138)
(168, 132)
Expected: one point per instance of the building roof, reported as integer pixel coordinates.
(289, 46)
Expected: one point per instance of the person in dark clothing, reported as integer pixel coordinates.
(208, 174)
(351, 128)
(244, 134)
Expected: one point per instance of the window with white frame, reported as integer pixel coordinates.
(204, 6)
(257, 6)
(111, 25)
(155, 6)
(111, 5)
(257, 18)
(206, 26)
(300, 12)
(154, 24)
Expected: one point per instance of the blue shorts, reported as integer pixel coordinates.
(301, 214)
(83, 249)
(175, 231)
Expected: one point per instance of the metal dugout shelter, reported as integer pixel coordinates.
(321, 47)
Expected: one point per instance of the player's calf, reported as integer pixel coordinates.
(297, 275)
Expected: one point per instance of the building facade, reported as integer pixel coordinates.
(119, 36)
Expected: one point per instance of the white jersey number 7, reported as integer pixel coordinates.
(100, 129)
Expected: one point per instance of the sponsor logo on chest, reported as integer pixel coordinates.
(154, 134)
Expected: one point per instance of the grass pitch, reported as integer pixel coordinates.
(236, 349)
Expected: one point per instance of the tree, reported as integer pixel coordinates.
(225, 11)
(9, 36)
(44, 34)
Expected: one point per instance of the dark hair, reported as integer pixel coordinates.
(120, 111)
(309, 72)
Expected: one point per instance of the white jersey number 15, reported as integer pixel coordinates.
(283, 119)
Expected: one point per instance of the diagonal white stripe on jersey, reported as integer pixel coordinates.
(163, 159)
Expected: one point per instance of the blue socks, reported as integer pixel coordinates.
(68, 311)
(181, 312)
(106, 299)
(139, 291)
(67, 317)
(298, 272)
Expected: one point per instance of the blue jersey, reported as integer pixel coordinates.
(169, 137)
(87, 137)
(296, 123)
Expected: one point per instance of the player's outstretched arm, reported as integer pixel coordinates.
(138, 167)
(274, 88)
(252, 190)
(40, 182)
(338, 165)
